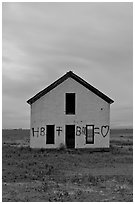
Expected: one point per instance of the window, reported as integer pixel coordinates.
(89, 134)
(50, 134)
(70, 103)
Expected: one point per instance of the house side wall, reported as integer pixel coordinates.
(50, 110)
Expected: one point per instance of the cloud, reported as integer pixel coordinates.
(42, 41)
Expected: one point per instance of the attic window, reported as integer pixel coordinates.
(70, 103)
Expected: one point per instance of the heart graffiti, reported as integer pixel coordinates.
(104, 130)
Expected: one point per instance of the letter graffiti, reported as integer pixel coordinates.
(42, 131)
(78, 130)
(84, 130)
(33, 132)
(59, 130)
(104, 130)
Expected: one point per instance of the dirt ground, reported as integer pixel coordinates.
(67, 175)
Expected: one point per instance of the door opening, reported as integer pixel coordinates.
(70, 136)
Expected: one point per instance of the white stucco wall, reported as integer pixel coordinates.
(90, 110)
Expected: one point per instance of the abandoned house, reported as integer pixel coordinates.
(70, 112)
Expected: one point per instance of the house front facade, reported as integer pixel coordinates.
(70, 112)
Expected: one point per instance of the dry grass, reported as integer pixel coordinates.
(64, 175)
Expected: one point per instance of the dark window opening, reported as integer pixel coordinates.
(89, 134)
(50, 134)
(70, 103)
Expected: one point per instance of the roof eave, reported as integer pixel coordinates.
(63, 78)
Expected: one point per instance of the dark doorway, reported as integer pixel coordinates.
(50, 134)
(70, 136)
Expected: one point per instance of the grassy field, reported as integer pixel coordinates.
(67, 175)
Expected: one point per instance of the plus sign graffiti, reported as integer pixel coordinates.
(59, 130)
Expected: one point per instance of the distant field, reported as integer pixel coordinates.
(18, 136)
(21, 136)
(123, 131)
(67, 175)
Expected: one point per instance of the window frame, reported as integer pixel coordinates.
(68, 112)
(92, 141)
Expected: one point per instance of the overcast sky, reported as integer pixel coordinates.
(42, 41)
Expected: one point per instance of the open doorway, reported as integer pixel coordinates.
(70, 136)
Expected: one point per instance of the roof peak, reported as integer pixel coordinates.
(62, 79)
(70, 71)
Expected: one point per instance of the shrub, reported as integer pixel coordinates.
(62, 146)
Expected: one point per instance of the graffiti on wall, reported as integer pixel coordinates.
(80, 130)
(38, 131)
(59, 130)
(103, 130)
(42, 131)
(96, 130)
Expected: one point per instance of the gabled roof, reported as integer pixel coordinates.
(62, 79)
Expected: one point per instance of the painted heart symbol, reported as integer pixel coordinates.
(104, 130)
